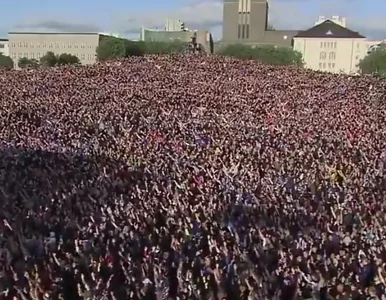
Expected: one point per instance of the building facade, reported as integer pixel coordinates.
(336, 19)
(174, 25)
(4, 49)
(155, 35)
(246, 21)
(34, 45)
(332, 48)
(374, 45)
(203, 37)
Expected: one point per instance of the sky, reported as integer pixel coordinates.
(127, 17)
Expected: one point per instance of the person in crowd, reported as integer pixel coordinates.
(191, 177)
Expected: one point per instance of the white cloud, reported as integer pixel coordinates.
(207, 14)
(57, 25)
(197, 14)
(283, 14)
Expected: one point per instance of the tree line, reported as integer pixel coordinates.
(267, 54)
(375, 62)
(113, 48)
(50, 59)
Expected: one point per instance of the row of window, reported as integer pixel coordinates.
(243, 28)
(325, 65)
(331, 45)
(323, 55)
(243, 31)
(51, 45)
(82, 56)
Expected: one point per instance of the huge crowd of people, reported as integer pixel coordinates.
(191, 177)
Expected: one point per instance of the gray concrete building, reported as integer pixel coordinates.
(34, 45)
(246, 21)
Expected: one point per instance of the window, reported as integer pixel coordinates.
(57, 45)
(324, 65)
(20, 44)
(38, 45)
(38, 55)
(13, 44)
(322, 55)
(335, 45)
(320, 65)
(83, 56)
(13, 55)
(51, 45)
(83, 45)
(2, 46)
(331, 55)
(324, 45)
(26, 54)
(357, 57)
(26, 44)
(20, 55)
(321, 44)
(44, 45)
(32, 55)
(89, 56)
(76, 46)
(333, 65)
(247, 31)
(69, 45)
(239, 32)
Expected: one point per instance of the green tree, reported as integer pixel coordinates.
(266, 54)
(49, 59)
(161, 47)
(374, 63)
(67, 59)
(112, 47)
(134, 48)
(5, 62)
(238, 51)
(24, 62)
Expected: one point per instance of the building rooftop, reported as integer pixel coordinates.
(3, 40)
(329, 29)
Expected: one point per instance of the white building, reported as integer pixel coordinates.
(4, 49)
(331, 47)
(373, 45)
(34, 45)
(336, 19)
(174, 25)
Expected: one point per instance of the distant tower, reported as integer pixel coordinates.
(244, 20)
(174, 25)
